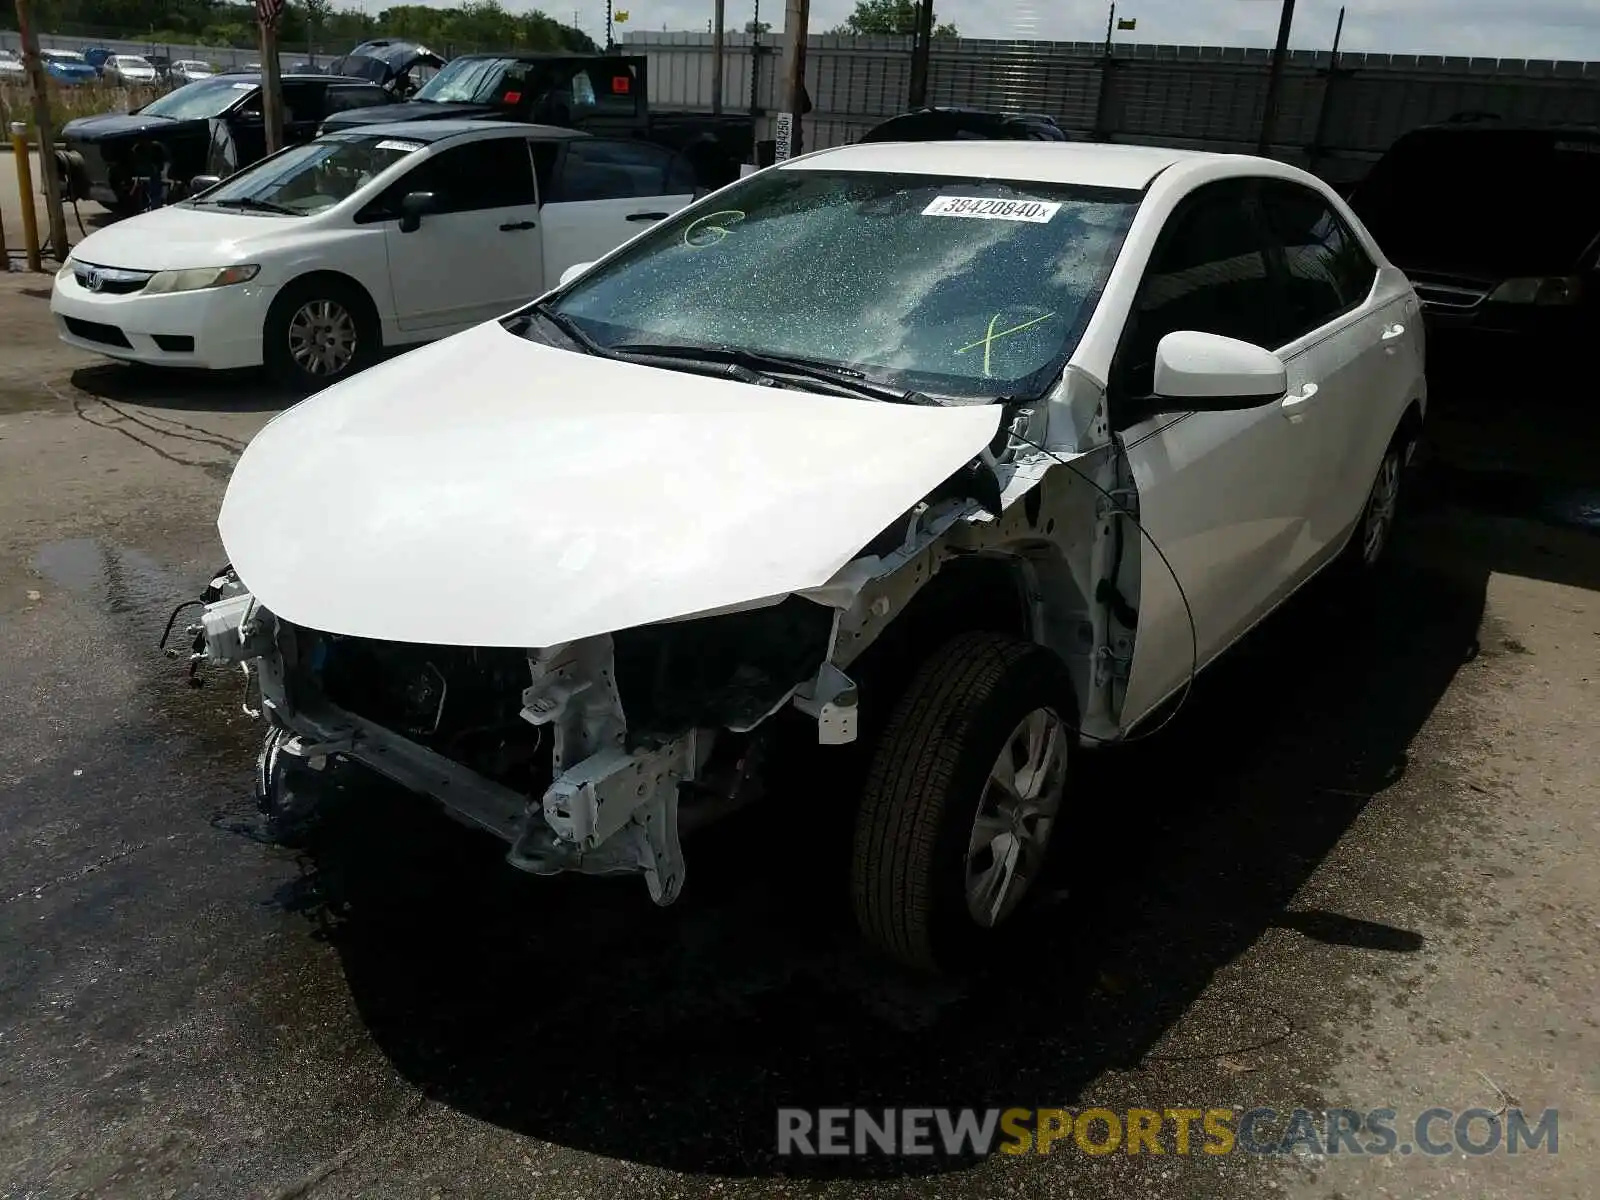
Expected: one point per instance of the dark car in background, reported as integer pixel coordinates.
(1497, 224)
(601, 94)
(401, 66)
(96, 57)
(952, 123)
(210, 127)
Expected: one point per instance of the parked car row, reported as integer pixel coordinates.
(73, 67)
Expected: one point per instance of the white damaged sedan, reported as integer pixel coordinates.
(971, 453)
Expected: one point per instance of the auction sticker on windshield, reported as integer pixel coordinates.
(396, 144)
(990, 209)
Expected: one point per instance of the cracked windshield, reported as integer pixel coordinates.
(966, 287)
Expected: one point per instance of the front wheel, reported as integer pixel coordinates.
(318, 331)
(964, 792)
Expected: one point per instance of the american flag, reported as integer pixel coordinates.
(268, 11)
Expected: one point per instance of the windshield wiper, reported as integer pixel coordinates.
(720, 368)
(846, 379)
(253, 205)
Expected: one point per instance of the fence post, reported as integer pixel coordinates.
(1103, 99)
(47, 141)
(1314, 152)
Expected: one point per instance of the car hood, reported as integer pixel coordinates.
(411, 110)
(116, 125)
(179, 237)
(489, 491)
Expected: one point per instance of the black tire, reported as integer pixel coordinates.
(285, 330)
(1362, 556)
(927, 784)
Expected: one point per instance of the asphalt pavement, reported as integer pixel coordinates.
(1357, 871)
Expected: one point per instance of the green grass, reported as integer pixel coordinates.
(66, 103)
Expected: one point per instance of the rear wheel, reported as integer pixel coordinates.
(318, 331)
(964, 792)
(1370, 541)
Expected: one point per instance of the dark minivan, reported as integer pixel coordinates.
(1498, 227)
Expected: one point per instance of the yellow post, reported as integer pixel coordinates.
(30, 219)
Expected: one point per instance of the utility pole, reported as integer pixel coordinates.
(787, 131)
(755, 60)
(267, 14)
(1269, 112)
(1102, 102)
(921, 51)
(609, 42)
(1321, 135)
(719, 19)
(34, 66)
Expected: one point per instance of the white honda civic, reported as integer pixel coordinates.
(313, 260)
(974, 452)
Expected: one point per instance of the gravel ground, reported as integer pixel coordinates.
(1356, 872)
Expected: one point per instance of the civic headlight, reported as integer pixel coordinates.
(1559, 289)
(66, 268)
(199, 277)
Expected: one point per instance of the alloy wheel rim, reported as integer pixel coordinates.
(1016, 815)
(322, 337)
(1381, 508)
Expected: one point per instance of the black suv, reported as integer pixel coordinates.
(1498, 227)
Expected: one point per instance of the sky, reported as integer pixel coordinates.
(1496, 28)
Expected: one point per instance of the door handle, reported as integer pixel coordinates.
(511, 225)
(647, 216)
(1295, 401)
(1393, 332)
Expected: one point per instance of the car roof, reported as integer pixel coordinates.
(438, 131)
(1082, 163)
(295, 77)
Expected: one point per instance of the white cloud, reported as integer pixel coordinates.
(1537, 29)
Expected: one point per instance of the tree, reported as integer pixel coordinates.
(317, 13)
(762, 27)
(888, 18)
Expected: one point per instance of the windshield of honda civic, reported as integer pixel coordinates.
(972, 288)
(307, 178)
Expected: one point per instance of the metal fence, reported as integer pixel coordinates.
(1194, 96)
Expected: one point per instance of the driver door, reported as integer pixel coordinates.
(478, 254)
(1226, 495)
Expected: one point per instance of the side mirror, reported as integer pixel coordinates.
(413, 208)
(1206, 372)
(573, 272)
(203, 183)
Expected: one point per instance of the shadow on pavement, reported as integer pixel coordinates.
(192, 391)
(574, 1011)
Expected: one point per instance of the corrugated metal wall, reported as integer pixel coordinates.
(1187, 95)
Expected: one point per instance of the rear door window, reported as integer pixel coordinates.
(1327, 271)
(344, 96)
(601, 169)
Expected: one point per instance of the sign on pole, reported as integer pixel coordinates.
(783, 134)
